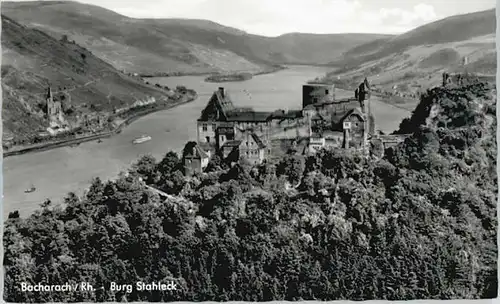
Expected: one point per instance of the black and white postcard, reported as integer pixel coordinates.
(249, 150)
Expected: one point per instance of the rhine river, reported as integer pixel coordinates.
(59, 171)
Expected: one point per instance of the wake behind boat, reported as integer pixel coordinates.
(140, 140)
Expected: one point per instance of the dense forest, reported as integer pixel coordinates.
(419, 223)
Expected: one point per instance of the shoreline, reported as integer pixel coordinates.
(182, 74)
(71, 141)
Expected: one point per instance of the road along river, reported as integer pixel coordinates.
(59, 171)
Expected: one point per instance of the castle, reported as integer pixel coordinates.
(238, 132)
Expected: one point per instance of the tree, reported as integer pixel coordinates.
(292, 166)
(145, 167)
(170, 162)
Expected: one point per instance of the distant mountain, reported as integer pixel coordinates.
(31, 60)
(176, 45)
(425, 51)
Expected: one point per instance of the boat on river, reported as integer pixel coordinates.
(141, 139)
(30, 189)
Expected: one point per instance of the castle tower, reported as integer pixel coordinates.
(366, 110)
(49, 93)
(50, 101)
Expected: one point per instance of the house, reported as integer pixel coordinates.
(195, 159)
(249, 146)
(252, 148)
(220, 114)
(353, 124)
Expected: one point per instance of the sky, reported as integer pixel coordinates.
(276, 17)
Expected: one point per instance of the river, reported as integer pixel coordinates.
(59, 171)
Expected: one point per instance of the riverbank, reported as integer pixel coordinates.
(78, 140)
(174, 74)
(271, 70)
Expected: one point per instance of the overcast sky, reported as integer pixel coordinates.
(275, 17)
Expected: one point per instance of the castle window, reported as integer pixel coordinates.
(214, 126)
(315, 99)
(207, 139)
(326, 91)
(205, 128)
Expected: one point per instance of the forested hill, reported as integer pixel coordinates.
(418, 224)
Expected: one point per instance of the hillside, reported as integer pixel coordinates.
(416, 58)
(175, 45)
(419, 223)
(31, 60)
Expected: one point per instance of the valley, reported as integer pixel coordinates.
(231, 166)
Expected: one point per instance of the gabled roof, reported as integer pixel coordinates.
(355, 111)
(339, 117)
(218, 102)
(225, 101)
(257, 139)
